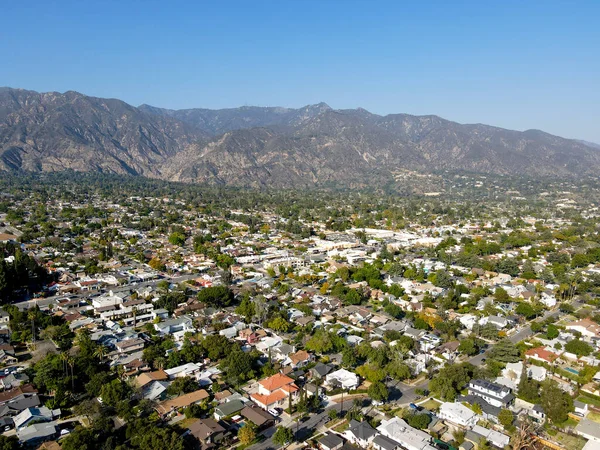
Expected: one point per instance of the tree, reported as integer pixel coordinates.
(182, 385)
(9, 443)
(552, 331)
(247, 434)
(157, 264)
(219, 296)
(280, 324)
(378, 391)
(505, 351)
(398, 370)
(528, 388)
(177, 238)
(526, 310)
(238, 365)
(371, 372)
(450, 380)
(467, 347)
(394, 310)
(419, 421)
(578, 348)
(115, 391)
(557, 404)
(283, 436)
(506, 418)
(246, 308)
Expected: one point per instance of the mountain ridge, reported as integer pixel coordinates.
(266, 146)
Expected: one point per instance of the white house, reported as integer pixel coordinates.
(408, 437)
(186, 370)
(494, 394)
(342, 378)
(458, 414)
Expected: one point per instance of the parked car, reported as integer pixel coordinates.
(273, 412)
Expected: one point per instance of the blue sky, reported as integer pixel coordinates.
(520, 65)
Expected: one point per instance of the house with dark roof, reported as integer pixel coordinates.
(360, 433)
(228, 409)
(208, 432)
(330, 441)
(493, 393)
(259, 417)
(382, 442)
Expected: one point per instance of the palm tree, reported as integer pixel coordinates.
(159, 363)
(100, 352)
(134, 316)
(64, 356)
(31, 317)
(71, 363)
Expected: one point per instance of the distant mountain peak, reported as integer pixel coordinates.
(314, 145)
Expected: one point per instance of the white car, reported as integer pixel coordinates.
(273, 412)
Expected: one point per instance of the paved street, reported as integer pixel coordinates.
(314, 422)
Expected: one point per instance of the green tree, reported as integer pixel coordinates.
(450, 380)
(115, 391)
(467, 347)
(9, 443)
(579, 348)
(419, 421)
(283, 436)
(557, 404)
(378, 392)
(246, 308)
(182, 385)
(505, 351)
(552, 332)
(219, 296)
(247, 434)
(177, 238)
(506, 418)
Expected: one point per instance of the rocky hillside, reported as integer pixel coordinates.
(255, 146)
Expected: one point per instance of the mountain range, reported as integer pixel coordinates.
(266, 146)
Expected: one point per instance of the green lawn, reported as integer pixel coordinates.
(431, 405)
(569, 442)
(589, 400)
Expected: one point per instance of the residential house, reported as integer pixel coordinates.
(34, 415)
(342, 378)
(408, 437)
(360, 433)
(299, 359)
(477, 433)
(183, 401)
(458, 414)
(37, 433)
(494, 394)
(185, 370)
(330, 441)
(382, 442)
(228, 409)
(274, 391)
(259, 417)
(590, 330)
(208, 432)
(541, 354)
(130, 345)
(320, 370)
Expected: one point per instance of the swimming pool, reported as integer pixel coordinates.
(576, 372)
